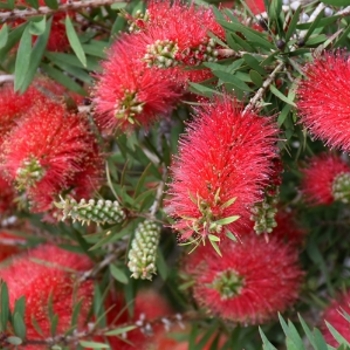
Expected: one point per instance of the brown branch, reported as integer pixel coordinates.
(45, 10)
(259, 94)
(145, 325)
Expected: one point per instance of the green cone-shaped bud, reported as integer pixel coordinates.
(228, 283)
(264, 212)
(29, 173)
(142, 255)
(341, 188)
(99, 211)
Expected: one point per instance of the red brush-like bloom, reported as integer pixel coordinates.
(222, 165)
(44, 272)
(253, 280)
(325, 111)
(256, 6)
(325, 179)
(128, 93)
(334, 315)
(144, 313)
(7, 197)
(46, 151)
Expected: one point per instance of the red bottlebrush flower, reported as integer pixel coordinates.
(256, 6)
(128, 93)
(222, 165)
(326, 112)
(46, 150)
(250, 283)
(43, 272)
(144, 313)
(326, 179)
(334, 316)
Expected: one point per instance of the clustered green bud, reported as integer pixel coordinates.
(99, 211)
(29, 173)
(142, 255)
(161, 54)
(228, 283)
(136, 19)
(264, 212)
(341, 188)
(129, 107)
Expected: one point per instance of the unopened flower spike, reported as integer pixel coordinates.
(98, 211)
(143, 252)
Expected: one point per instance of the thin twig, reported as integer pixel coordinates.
(343, 12)
(159, 194)
(259, 94)
(45, 10)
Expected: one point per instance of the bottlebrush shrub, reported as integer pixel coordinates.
(49, 273)
(241, 285)
(223, 162)
(46, 150)
(128, 94)
(325, 112)
(326, 179)
(336, 315)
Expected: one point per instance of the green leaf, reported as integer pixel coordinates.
(23, 58)
(216, 247)
(74, 41)
(202, 90)
(3, 36)
(228, 220)
(293, 23)
(162, 267)
(337, 335)
(120, 330)
(337, 2)
(36, 56)
(213, 238)
(252, 62)
(33, 3)
(20, 306)
(5, 311)
(266, 344)
(118, 5)
(118, 274)
(37, 27)
(256, 78)
(230, 78)
(282, 97)
(19, 326)
(63, 79)
(53, 4)
(14, 340)
(93, 345)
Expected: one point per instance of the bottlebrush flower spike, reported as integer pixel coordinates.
(143, 252)
(129, 94)
(325, 112)
(180, 34)
(241, 285)
(46, 150)
(49, 272)
(100, 211)
(223, 164)
(326, 179)
(335, 316)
